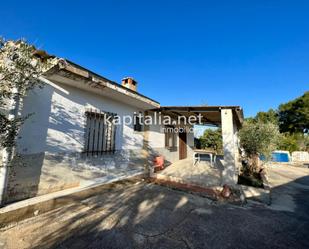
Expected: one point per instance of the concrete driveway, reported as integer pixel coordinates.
(144, 215)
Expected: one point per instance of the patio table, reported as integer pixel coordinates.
(197, 156)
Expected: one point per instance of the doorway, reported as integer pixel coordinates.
(182, 145)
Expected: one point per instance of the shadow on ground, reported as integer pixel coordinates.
(141, 215)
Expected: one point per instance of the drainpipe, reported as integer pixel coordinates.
(7, 152)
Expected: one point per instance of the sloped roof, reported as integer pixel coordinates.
(70, 73)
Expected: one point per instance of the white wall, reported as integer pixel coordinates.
(58, 121)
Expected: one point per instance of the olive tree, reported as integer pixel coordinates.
(258, 138)
(21, 66)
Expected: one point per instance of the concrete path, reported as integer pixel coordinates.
(143, 215)
(201, 173)
(290, 188)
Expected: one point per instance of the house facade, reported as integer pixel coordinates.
(66, 142)
(84, 129)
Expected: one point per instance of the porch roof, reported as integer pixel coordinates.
(211, 115)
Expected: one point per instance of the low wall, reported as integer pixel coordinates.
(300, 157)
(38, 174)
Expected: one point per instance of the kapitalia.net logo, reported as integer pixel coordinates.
(167, 123)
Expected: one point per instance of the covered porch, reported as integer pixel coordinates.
(223, 169)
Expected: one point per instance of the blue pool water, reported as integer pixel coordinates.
(280, 157)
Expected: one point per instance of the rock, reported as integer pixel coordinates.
(226, 192)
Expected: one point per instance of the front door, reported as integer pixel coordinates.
(182, 145)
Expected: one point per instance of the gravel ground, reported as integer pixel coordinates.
(144, 215)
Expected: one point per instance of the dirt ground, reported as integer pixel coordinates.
(144, 215)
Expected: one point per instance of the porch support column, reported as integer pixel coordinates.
(230, 150)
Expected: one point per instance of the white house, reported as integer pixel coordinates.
(66, 143)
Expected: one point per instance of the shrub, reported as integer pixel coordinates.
(294, 142)
(212, 139)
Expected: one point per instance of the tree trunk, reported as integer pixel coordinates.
(8, 152)
(254, 165)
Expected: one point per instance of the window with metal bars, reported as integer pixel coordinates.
(100, 133)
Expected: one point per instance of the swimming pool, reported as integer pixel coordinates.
(278, 156)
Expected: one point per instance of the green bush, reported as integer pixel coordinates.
(294, 142)
(212, 139)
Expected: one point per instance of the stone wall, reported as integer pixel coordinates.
(42, 173)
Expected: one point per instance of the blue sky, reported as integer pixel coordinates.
(249, 53)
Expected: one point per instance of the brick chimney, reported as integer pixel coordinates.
(130, 83)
